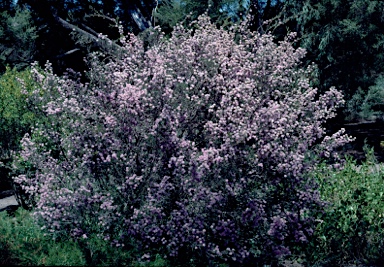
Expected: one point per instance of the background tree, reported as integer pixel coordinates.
(343, 37)
(222, 12)
(18, 36)
(6, 5)
(56, 20)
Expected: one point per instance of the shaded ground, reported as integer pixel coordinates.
(370, 132)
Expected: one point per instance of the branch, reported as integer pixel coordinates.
(68, 53)
(139, 19)
(105, 44)
(89, 29)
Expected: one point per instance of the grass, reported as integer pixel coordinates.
(22, 242)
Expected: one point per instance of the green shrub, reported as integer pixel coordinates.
(352, 226)
(16, 117)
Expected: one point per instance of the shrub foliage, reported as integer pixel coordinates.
(352, 227)
(196, 148)
(16, 116)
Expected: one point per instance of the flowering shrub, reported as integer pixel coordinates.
(197, 147)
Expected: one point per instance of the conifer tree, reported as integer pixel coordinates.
(17, 39)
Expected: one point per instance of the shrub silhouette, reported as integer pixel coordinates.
(196, 148)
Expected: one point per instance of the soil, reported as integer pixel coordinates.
(8, 201)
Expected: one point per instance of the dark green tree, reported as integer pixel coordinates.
(345, 38)
(17, 39)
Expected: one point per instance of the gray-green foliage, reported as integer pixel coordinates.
(17, 39)
(168, 14)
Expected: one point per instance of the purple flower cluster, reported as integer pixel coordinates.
(198, 146)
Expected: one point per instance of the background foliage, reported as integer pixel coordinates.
(18, 35)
